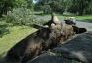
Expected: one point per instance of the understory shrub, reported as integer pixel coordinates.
(3, 29)
(20, 16)
(23, 16)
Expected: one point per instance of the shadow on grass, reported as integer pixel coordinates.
(2, 58)
(4, 30)
(39, 14)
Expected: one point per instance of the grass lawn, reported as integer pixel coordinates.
(84, 17)
(87, 18)
(16, 34)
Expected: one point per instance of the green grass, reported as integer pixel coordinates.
(16, 34)
(87, 18)
(84, 17)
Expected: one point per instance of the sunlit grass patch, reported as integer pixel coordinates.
(16, 34)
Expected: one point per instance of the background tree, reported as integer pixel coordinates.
(78, 7)
(53, 5)
(6, 5)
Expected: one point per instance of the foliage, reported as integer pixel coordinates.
(78, 7)
(46, 9)
(37, 7)
(3, 29)
(20, 16)
(8, 5)
(23, 16)
(56, 7)
(20, 3)
(51, 6)
(88, 10)
(5, 5)
(30, 4)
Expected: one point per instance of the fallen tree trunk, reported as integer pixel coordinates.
(77, 50)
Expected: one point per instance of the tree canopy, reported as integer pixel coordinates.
(78, 7)
(6, 5)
